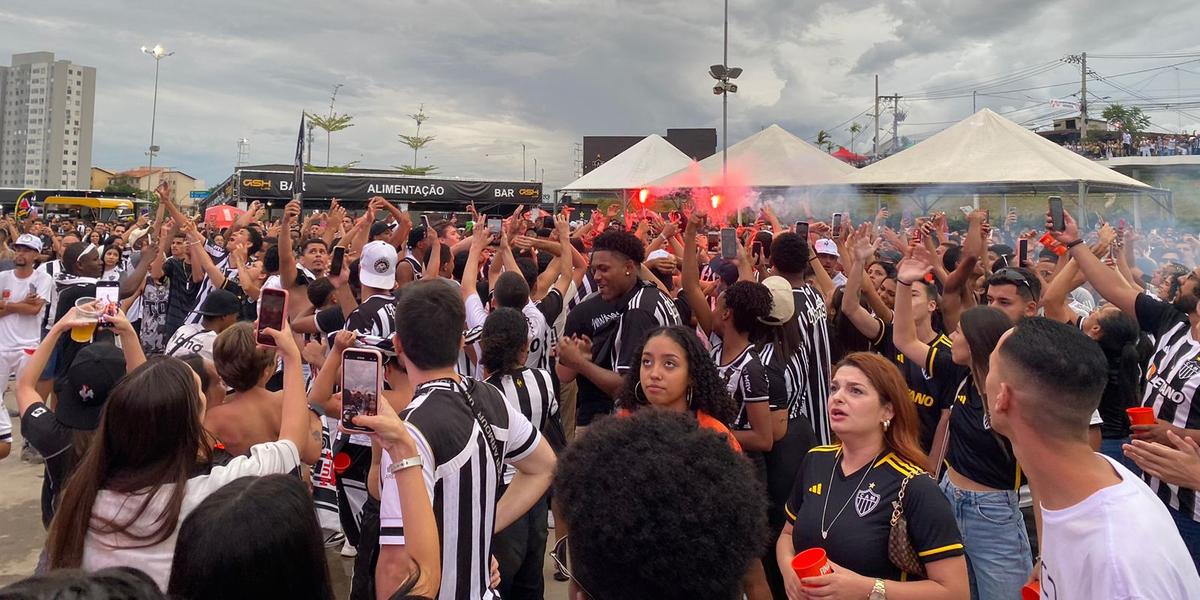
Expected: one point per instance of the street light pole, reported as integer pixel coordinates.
(724, 74)
(157, 53)
(523, 161)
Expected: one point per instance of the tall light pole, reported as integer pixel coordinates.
(157, 53)
(723, 73)
(523, 161)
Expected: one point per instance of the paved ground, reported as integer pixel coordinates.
(22, 536)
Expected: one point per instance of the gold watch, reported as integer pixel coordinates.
(879, 592)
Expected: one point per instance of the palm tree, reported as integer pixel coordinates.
(416, 142)
(824, 140)
(333, 122)
(855, 129)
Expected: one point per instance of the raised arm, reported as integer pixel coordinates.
(904, 326)
(1107, 282)
(470, 279)
(861, 249)
(690, 276)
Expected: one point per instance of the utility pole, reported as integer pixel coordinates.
(895, 98)
(973, 109)
(1083, 128)
(875, 151)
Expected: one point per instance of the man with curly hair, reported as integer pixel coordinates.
(647, 545)
(603, 332)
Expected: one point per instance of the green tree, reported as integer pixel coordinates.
(854, 130)
(330, 123)
(824, 140)
(416, 141)
(1130, 119)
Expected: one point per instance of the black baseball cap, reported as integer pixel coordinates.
(85, 387)
(379, 228)
(219, 303)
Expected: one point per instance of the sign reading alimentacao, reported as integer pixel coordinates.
(266, 185)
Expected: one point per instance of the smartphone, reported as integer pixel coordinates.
(272, 308)
(729, 243)
(107, 294)
(1056, 213)
(425, 222)
(837, 224)
(535, 213)
(756, 248)
(362, 382)
(494, 225)
(802, 230)
(335, 263)
(714, 240)
(1022, 252)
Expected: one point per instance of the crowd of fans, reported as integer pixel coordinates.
(669, 405)
(1150, 144)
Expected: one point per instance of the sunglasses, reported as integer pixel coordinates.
(559, 555)
(1014, 277)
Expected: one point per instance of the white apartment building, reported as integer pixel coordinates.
(46, 129)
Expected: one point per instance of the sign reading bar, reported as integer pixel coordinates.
(267, 185)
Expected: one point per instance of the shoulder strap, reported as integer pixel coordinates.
(488, 433)
(941, 458)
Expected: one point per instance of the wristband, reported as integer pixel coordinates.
(1072, 244)
(414, 461)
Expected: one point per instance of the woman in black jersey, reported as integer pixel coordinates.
(843, 500)
(982, 475)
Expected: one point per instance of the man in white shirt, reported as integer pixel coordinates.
(829, 257)
(25, 292)
(218, 311)
(1104, 533)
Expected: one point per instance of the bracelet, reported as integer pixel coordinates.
(1072, 244)
(902, 282)
(400, 465)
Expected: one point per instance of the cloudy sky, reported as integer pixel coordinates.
(493, 74)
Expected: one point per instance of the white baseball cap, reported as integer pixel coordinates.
(377, 267)
(30, 241)
(827, 246)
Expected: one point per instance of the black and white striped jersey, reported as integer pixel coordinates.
(460, 476)
(532, 392)
(1172, 379)
(814, 359)
(746, 380)
(789, 366)
(375, 317)
(417, 267)
(586, 288)
(644, 308)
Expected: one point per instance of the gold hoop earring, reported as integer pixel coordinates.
(689, 397)
(637, 389)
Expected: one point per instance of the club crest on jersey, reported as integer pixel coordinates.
(865, 501)
(1188, 370)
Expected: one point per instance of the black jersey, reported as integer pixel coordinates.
(746, 380)
(975, 450)
(856, 510)
(926, 393)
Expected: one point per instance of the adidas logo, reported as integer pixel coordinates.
(816, 489)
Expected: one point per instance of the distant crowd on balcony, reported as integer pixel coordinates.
(1141, 145)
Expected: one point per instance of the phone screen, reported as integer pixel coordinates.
(837, 223)
(756, 248)
(1056, 213)
(714, 240)
(1022, 252)
(802, 230)
(535, 213)
(425, 221)
(271, 308)
(728, 243)
(360, 385)
(107, 292)
(335, 264)
(494, 225)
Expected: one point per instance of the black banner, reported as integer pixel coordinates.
(270, 185)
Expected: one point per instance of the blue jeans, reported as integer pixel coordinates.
(994, 538)
(1112, 449)
(1189, 530)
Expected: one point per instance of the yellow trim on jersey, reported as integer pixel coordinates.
(882, 330)
(946, 548)
(933, 350)
(1017, 481)
(829, 448)
(787, 509)
(903, 467)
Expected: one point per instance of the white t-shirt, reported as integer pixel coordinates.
(477, 313)
(20, 331)
(1119, 543)
(192, 338)
(109, 550)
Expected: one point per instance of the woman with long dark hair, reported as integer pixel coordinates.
(256, 537)
(145, 470)
(1118, 335)
(676, 373)
(876, 462)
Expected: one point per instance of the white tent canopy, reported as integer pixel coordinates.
(770, 158)
(986, 152)
(637, 166)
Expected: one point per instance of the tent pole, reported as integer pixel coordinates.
(1082, 201)
(1004, 203)
(1137, 211)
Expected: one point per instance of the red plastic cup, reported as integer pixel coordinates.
(811, 563)
(341, 462)
(1141, 415)
(1032, 591)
